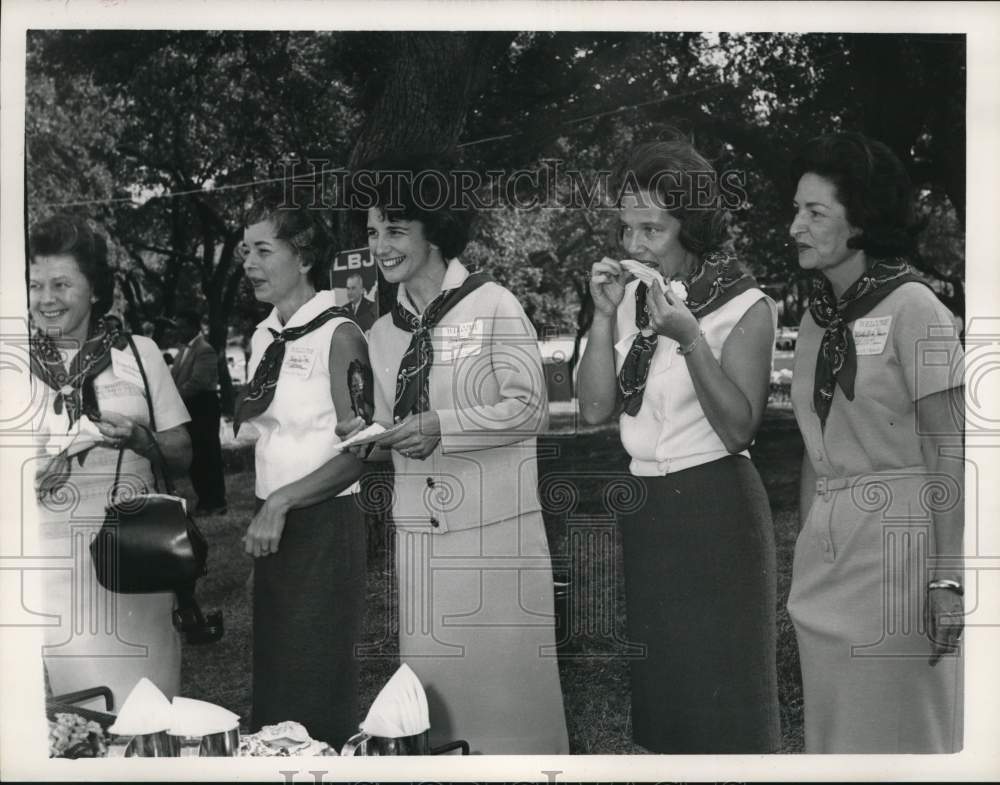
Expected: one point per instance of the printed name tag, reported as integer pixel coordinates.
(470, 339)
(461, 340)
(125, 367)
(870, 335)
(299, 361)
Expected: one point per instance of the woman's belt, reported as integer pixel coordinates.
(825, 485)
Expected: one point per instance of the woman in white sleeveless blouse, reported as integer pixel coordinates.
(686, 369)
(308, 534)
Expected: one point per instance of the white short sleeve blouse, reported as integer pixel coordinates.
(296, 431)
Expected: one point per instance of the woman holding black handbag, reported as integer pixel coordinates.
(93, 411)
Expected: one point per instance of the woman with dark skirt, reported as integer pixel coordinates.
(308, 534)
(686, 368)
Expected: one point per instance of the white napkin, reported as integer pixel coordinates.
(647, 275)
(200, 718)
(146, 710)
(86, 437)
(400, 708)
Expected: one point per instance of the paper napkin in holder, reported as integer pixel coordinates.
(146, 710)
(192, 717)
(400, 708)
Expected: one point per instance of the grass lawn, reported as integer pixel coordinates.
(583, 474)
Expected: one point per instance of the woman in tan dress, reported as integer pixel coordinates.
(877, 395)
(89, 377)
(457, 368)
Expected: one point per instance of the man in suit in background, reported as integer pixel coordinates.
(196, 374)
(362, 308)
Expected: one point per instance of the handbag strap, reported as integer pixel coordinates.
(157, 460)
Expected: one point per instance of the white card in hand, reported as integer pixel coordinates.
(86, 437)
(372, 433)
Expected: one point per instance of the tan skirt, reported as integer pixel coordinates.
(857, 601)
(476, 624)
(97, 637)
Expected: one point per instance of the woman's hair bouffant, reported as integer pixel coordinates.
(871, 183)
(682, 181)
(71, 236)
(301, 227)
(415, 187)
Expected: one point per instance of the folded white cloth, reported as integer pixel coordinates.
(146, 710)
(200, 718)
(400, 708)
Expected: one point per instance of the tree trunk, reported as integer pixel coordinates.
(428, 88)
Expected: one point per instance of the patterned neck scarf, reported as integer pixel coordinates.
(837, 361)
(74, 386)
(260, 391)
(413, 378)
(713, 283)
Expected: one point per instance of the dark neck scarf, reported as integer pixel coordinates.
(837, 361)
(260, 391)
(413, 379)
(713, 283)
(74, 386)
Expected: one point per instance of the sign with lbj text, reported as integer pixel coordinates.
(347, 263)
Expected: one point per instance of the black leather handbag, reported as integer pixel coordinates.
(148, 543)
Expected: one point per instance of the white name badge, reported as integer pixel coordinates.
(461, 340)
(125, 367)
(870, 335)
(470, 339)
(299, 361)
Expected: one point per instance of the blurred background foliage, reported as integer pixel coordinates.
(154, 136)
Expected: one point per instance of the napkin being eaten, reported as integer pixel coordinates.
(648, 276)
(400, 708)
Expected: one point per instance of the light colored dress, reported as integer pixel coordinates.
(860, 570)
(476, 616)
(99, 637)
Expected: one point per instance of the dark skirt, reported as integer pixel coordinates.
(700, 582)
(308, 612)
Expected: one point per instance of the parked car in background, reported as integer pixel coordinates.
(784, 340)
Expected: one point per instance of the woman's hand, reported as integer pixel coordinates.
(120, 432)
(264, 532)
(416, 437)
(670, 317)
(607, 285)
(945, 620)
(345, 429)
